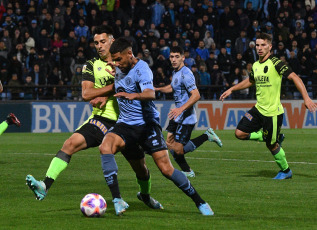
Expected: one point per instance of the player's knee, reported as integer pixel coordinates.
(271, 147)
(104, 148)
(241, 135)
(69, 146)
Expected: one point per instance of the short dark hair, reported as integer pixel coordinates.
(177, 49)
(264, 36)
(103, 29)
(120, 45)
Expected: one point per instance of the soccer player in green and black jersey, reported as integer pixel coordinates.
(97, 87)
(267, 74)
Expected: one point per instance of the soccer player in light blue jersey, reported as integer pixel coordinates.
(138, 122)
(183, 118)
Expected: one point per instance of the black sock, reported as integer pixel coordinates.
(198, 141)
(48, 182)
(181, 161)
(112, 182)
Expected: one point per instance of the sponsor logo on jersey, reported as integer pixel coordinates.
(266, 68)
(248, 116)
(99, 124)
(99, 68)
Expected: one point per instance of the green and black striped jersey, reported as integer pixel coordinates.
(268, 76)
(94, 70)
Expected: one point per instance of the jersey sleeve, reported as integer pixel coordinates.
(251, 75)
(282, 69)
(144, 77)
(88, 71)
(189, 80)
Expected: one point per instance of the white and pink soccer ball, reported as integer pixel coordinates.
(93, 205)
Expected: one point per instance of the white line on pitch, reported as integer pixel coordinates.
(194, 158)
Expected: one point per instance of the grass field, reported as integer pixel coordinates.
(235, 180)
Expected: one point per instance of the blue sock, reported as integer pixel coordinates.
(189, 147)
(110, 170)
(181, 181)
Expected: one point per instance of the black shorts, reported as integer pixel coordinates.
(148, 136)
(181, 132)
(253, 121)
(95, 130)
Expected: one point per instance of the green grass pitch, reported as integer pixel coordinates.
(235, 180)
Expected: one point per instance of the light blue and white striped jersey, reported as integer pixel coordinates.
(183, 83)
(136, 112)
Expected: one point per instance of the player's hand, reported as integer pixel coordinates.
(113, 68)
(226, 94)
(99, 102)
(174, 113)
(310, 105)
(128, 96)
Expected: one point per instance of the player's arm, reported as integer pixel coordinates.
(145, 95)
(194, 97)
(302, 89)
(1, 87)
(89, 92)
(164, 89)
(246, 83)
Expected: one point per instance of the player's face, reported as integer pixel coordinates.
(102, 44)
(177, 60)
(123, 60)
(263, 48)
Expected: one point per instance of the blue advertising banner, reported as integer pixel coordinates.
(67, 116)
(56, 117)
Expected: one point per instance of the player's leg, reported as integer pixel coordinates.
(58, 164)
(177, 137)
(161, 158)
(272, 127)
(163, 162)
(11, 120)
(249, 126)
(143, 178)
(111, 144)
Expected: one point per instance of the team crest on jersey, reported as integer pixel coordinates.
(266, 68)
(175, 81)
(84, 68)
(128, 81)
(255, 70)
(99, 68)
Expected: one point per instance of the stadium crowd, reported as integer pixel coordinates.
(44, 43)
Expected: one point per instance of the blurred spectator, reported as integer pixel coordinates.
(82, 29)
(170, 15)
(29, 42)
(294, 63)
(147, 58)
(15, 87)
(196, 74)
(47, 24)
(3, 50)
(250, 55)
(29, 89)
(208, 40)
(242, 42)
(313, 40)
(249, 11)
(144, 11)
(235, 78)
(6, 40)
(270, 9)
(160, 80)
(202, 51)
(225, 61)
(281, 50)
(244, 93)
(76, 81)
(188, 60)
(218, 81)
(56, 41)
(157, 12)
(243, 20)
(204, 81)
(44, 44)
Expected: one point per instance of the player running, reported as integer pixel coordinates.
(97, 83)
(139, 122)
(183, 118)
(267, 114)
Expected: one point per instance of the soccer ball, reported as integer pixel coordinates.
(93, 205)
